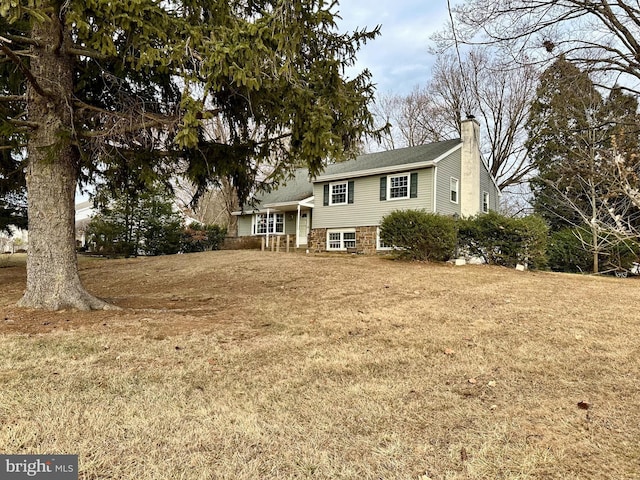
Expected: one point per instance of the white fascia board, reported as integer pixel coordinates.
(307, 202)
(447, 153)
(382, 170)
(280, 204)
(374, 171)
(486, 166)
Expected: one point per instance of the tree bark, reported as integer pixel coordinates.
(52, 266)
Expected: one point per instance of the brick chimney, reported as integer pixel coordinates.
(470, 168)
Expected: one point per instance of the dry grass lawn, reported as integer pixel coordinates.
(249, 365)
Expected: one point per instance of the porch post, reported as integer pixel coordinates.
(298, 228)
(267, 228)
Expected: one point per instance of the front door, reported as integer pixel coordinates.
(303, 228)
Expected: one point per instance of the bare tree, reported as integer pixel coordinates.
(477, 84)
(597, 35)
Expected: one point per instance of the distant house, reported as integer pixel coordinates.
(17, 241)
(84, 213)
(342, 208)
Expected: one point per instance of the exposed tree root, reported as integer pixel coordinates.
(72, 298)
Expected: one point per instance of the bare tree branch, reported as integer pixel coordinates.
(13, 98)
(599, 35)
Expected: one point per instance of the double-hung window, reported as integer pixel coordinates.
(341, 239)
(454, 186)
(399, 186)
(485, 202)
(272, 223)
(338, 193)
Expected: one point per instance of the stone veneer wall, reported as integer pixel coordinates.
(366, 240)
(317, 240)
(241, 243)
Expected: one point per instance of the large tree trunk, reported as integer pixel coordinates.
(52, 265)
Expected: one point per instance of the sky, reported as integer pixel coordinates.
(398, 58)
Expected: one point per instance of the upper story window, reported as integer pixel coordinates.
(485, 202)
(455, 184)
(399, 186)
(396, 187)
(338, 193)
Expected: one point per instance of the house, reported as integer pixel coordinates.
(342, 208)
(17, 241)
(84, 213)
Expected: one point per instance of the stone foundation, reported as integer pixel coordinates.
(317, 240)
(365, 240)
(241, 243)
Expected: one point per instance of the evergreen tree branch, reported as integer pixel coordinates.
(24, 69)
(24, 123)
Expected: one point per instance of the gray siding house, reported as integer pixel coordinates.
(341, 209)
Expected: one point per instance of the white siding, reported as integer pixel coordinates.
(367, 209)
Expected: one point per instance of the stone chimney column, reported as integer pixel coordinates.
(470, 168)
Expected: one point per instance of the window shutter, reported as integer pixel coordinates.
(326, 195)
(413, 190)
(383, 188)
(350, 189)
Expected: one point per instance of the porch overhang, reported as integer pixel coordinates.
(291, 206)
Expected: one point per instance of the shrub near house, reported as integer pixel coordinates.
(419, 235)
(497, 239)
(506, 241)
(201, 238)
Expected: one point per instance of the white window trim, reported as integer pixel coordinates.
(378, 241)
(341, 231)
(485, 195)
(457, 189)
(408, 177)
(346, 193)
(254, 227)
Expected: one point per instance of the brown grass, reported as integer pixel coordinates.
(248, 365)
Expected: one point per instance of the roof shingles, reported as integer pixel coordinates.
(300, 186)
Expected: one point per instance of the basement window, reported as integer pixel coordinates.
(340, 240)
